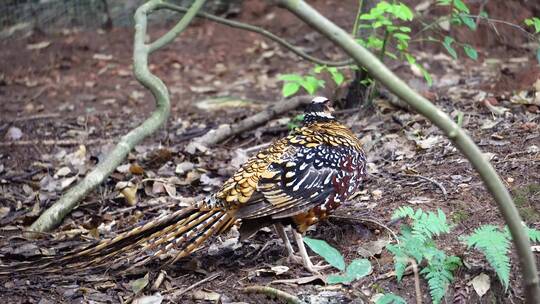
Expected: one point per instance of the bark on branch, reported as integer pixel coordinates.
(224, 131)
(54, 215)
(261, 31)
(458, 136)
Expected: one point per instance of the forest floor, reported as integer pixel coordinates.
(66, 98)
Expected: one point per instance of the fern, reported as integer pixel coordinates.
(495, 245)
(416, 242)
(425, 224)
(439, 274)
(534, 235)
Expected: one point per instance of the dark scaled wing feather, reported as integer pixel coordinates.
(295, 183)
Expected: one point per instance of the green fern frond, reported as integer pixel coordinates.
(400, 259)
(534, 235)
(494, 244)
(430, 224)
(403, 212)
(439, 274)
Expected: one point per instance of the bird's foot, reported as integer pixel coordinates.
(308, 265)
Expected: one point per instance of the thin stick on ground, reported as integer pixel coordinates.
(56, 213)
(416, 281)
(436, 183)
(362, 219)
(54, 142)
(185, 290)
(273, 292)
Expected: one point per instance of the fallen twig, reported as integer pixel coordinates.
(224, 131)
(443, 190)
(362, 219)
(183, 291)
(392, 274)
(54, 142)
(416, 281)
(274, 293)
(35, 117)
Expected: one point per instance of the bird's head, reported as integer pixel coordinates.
(320, 109)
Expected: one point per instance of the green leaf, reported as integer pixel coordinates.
(337, 76)
(390, 298)
(290, 88)
(358, 268)
(459, 119)
(401, 36)
(290, 77)
(401, 11)
(339, 279)
(311, 84)
(447, 43)
(469, 22)
(405, 29)
(426, 74)
(327, 252)
(470, 51)
(535, 21)
(319, 68)
(460, 6)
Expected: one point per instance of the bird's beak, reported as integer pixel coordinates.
(330, 109)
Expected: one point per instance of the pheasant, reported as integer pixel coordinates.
(297, 181)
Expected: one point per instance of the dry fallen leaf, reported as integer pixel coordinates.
(136, 169)
(38, 46)
(279, 269)
(156, 298)
(64, 171)
(13, 133)
(481, 284)
(128, 191)
(139, 284)
(206, 295)
(373, 248)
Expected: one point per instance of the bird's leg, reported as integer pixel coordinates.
(280, 230)
(303, 253)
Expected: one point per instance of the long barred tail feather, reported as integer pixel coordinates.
(182, 232)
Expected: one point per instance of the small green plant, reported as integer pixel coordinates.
(390, 298)
(311, 83)
(494, 243)
(416, 243)
(357, 269)
(534, 22)
(295, 122)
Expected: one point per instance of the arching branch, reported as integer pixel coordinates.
(458, 136)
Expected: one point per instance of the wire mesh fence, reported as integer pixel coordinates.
(53, 15)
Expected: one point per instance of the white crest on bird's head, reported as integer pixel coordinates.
(320, 109)
(319, 99)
